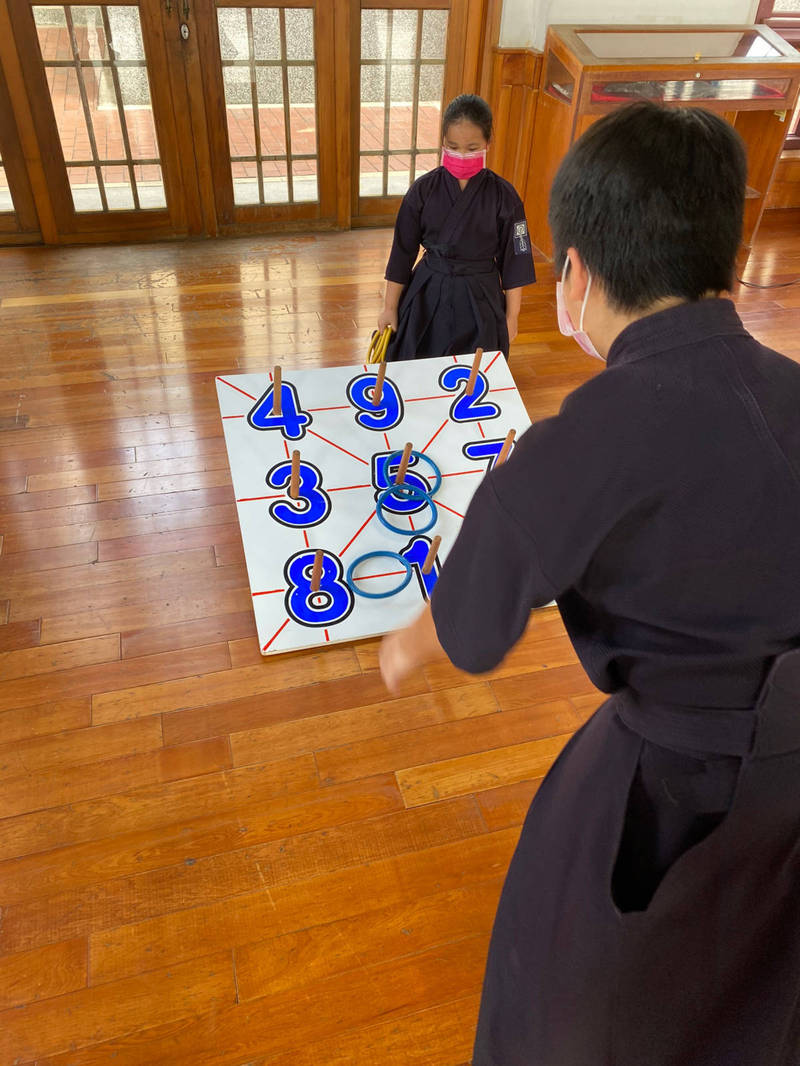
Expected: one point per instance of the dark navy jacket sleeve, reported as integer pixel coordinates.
(407, 238)
(515, 257)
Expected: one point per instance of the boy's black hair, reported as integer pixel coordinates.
(472, 108)
(653, 199)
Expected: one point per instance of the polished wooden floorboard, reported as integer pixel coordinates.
(207, 857)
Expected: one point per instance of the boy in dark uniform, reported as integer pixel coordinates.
(651, 913)
(466, 290)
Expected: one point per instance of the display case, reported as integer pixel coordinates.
(748, 74)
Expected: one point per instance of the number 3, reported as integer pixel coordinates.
(312, 505)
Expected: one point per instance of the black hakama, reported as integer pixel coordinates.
(651, 913)
(476, 246)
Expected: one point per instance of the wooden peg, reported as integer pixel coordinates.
(276, 391)
(430, 558)
(294, 484)
(401, 470)
(506, 447)
(316, 573)
(476, 365)
(377, 392)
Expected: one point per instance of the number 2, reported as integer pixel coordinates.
(467, 408)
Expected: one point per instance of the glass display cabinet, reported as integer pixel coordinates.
(748, 74)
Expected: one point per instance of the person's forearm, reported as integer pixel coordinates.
(392, 296)
(409, 649)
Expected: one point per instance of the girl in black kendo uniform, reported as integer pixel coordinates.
(466, 290)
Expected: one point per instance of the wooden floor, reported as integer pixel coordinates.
(206, 857)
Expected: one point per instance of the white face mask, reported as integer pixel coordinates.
(565, 323)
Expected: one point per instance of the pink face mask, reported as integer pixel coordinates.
(565, 323)
(463, 165)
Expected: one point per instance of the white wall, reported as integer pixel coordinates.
(525, 22)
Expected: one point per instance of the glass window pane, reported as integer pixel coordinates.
(299, 33)
(302, 113)
(434, 35)
(6, 203)
(119, 192)
(85, 189)
(276, 185)
(270, 110)
(404, 34)
(239, 111)
(266, 33)
(426, 161)
(304, 180)
(126, 33)
(374, 33)
(232, 33)
(51, 27)
(66, 97)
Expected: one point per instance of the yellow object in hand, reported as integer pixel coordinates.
(376, 353)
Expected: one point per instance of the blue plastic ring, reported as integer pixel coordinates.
(378, 595)
(412, 492)
(421, 455)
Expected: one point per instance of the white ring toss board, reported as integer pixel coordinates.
(348, 454)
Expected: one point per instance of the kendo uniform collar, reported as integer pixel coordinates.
(688, 323)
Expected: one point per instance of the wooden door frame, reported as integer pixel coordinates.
(72, 226)
(470, 25)
(21, 224)
(323, 213)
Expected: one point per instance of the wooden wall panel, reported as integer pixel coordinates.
(513, 94)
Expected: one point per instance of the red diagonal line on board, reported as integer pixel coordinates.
(386, 438)
(305, 534)
(436, 434)
(411, 520)
(233, 416)
(269, 592)
(344, 549)
(326, 635)
(341, 449)
(285, 624)
(450, 509)
(247, 394)
(344, 488)
(390, 573)
(249, 499)
(461, 473)
(489, 367)
(480, 427)
(286, 446)
(344, 407)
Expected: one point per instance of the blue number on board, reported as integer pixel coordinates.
(292, 420)
(383, 475)
(331, 604)
(381, 416)
(484, 449)
(313, 504)
(416, 552)
(467, 408)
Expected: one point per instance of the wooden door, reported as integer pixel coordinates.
(408, 58)
(18, 218)
(269, 82)
(99, 88)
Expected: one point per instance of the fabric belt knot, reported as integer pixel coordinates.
(770, 728)
(440, 264)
